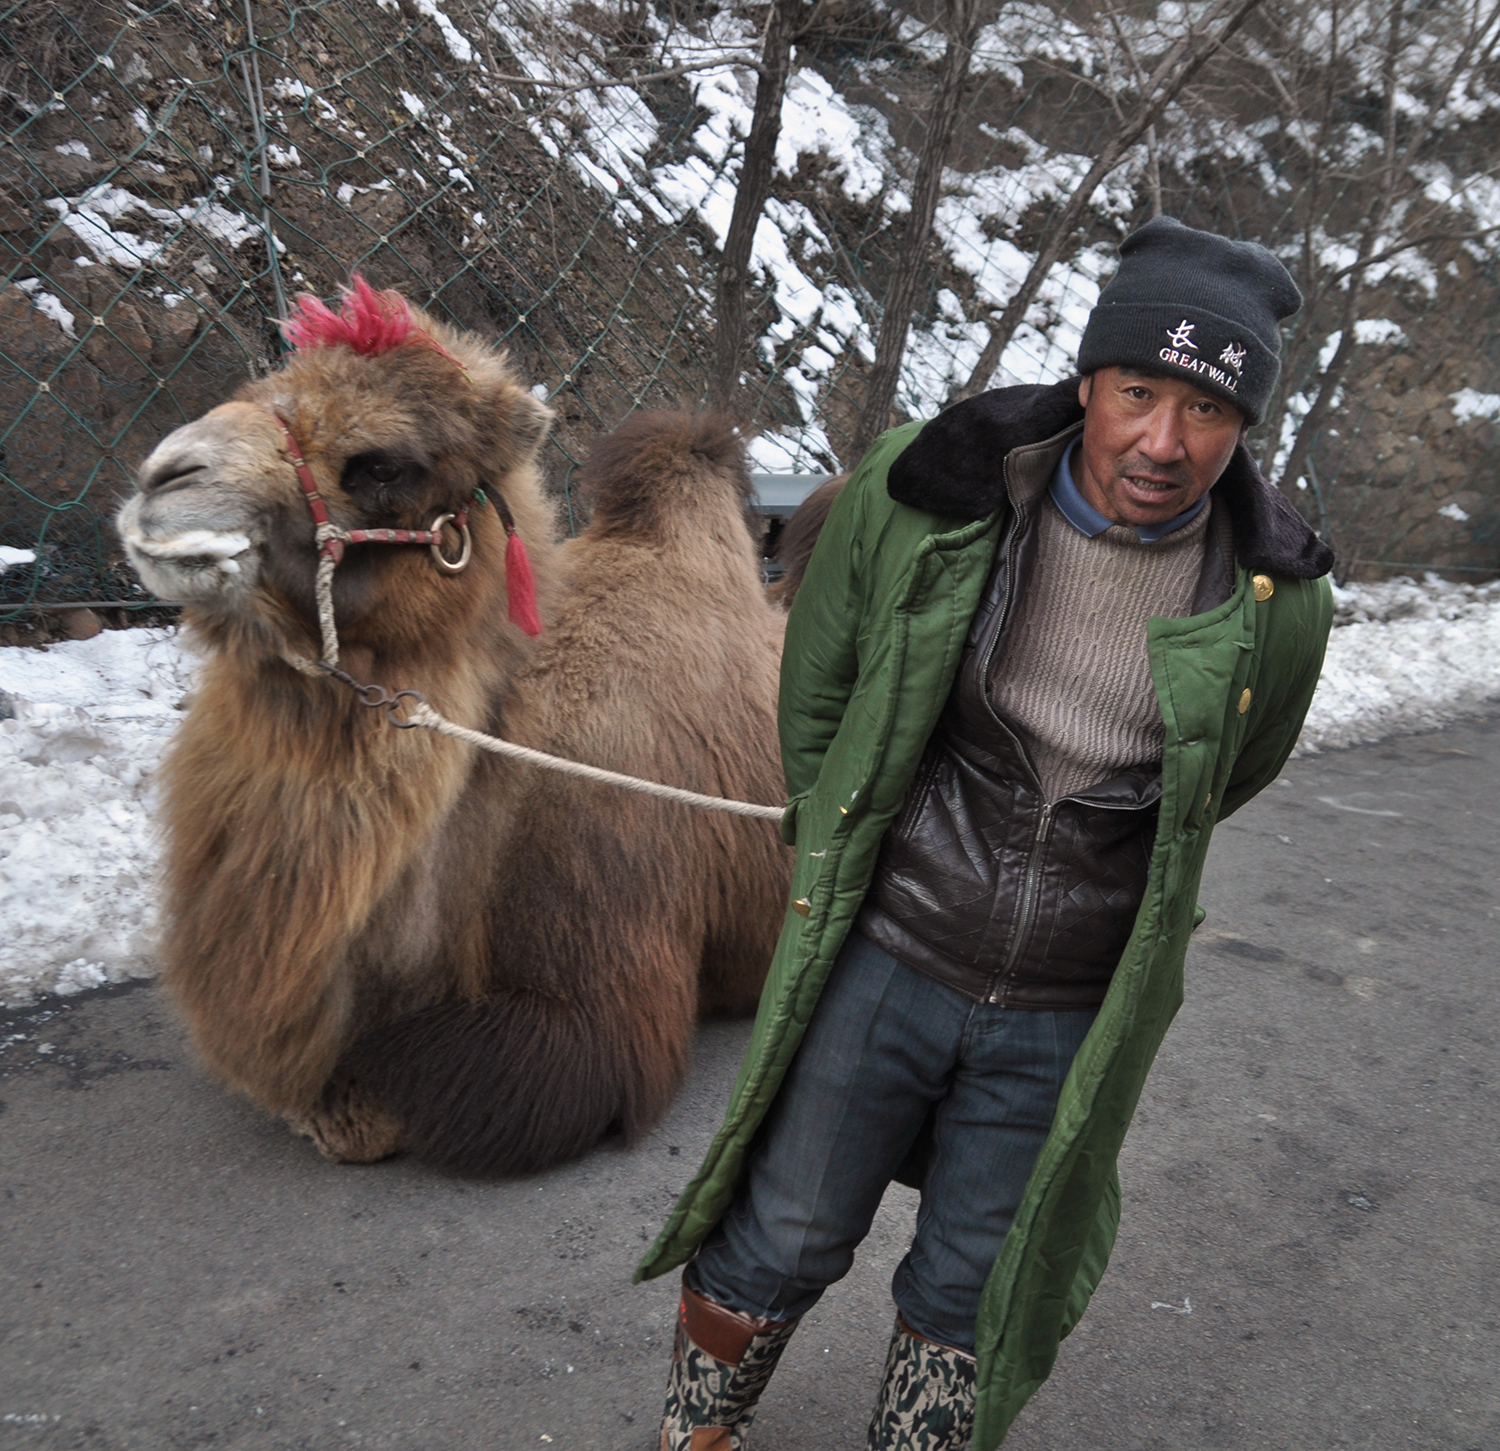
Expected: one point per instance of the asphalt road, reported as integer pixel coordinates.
(1308, 1257)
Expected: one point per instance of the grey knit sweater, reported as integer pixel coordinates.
(1073, 677)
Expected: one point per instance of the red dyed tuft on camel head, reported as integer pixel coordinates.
(368, 321)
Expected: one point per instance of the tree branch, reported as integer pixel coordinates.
(1173, 72)
(1334, 278)
(741, 62)
(1333, 374)
(750, 199)
(1395, 160)
(911, 257)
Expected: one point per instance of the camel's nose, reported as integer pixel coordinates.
(226, 437)
(167, 468)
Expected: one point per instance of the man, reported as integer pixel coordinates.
(1043, 644)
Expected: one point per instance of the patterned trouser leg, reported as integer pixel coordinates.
(721, 1363)
(926, 1400)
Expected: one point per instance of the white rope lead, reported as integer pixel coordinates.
(424, 715)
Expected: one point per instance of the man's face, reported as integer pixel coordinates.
(1152, 447)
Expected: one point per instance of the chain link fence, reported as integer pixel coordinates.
(170, 174)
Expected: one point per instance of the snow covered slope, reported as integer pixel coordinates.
(89, 720)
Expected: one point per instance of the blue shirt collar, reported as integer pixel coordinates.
(1085, 518)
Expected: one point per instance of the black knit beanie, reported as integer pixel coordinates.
(1196, 305)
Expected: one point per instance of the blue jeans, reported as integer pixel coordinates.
(887, 1046)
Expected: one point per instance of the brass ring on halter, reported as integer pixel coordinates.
(455, 566)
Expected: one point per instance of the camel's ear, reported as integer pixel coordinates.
(522, 424)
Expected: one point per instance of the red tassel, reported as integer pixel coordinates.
(520, 586)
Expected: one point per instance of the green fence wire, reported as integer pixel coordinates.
(170, 172)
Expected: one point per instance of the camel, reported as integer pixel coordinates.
(389, 938)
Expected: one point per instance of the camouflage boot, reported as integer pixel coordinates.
(721, 1363)
(926, 1400)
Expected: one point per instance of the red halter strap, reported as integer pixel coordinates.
(520, 582)
(333, 548)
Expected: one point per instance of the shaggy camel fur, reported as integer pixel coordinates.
(390, 938)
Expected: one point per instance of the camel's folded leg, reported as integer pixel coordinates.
(348, 1125)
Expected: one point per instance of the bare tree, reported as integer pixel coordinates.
(782, 24)
(961, 25)
(1396, 220)
(1176, 68)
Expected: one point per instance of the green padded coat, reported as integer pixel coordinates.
(873, 643)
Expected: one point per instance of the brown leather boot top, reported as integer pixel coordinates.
(722, 1333)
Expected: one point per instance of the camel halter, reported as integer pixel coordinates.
(332, 540)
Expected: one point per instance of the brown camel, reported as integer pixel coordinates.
(389, 937)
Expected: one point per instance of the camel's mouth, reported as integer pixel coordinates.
(196, 549)
(192, 564)
(195, 528)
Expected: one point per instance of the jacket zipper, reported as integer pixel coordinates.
(1029, 882)
(1029, 894)
(1030, 887)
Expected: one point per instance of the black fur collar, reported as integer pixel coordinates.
(952, 467)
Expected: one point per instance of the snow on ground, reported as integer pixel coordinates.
(88, 720)
(1404, 656)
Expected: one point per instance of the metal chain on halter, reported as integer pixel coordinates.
(331, 540)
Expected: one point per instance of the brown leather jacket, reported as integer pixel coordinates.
(981, 883)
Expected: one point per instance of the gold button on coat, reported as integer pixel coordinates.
(802, 906)
(1264, 589)
(1244, 702)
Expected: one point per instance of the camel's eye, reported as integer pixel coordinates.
(380, 471)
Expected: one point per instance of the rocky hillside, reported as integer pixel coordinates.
(560, 175)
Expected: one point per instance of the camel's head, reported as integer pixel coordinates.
(399, 419)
